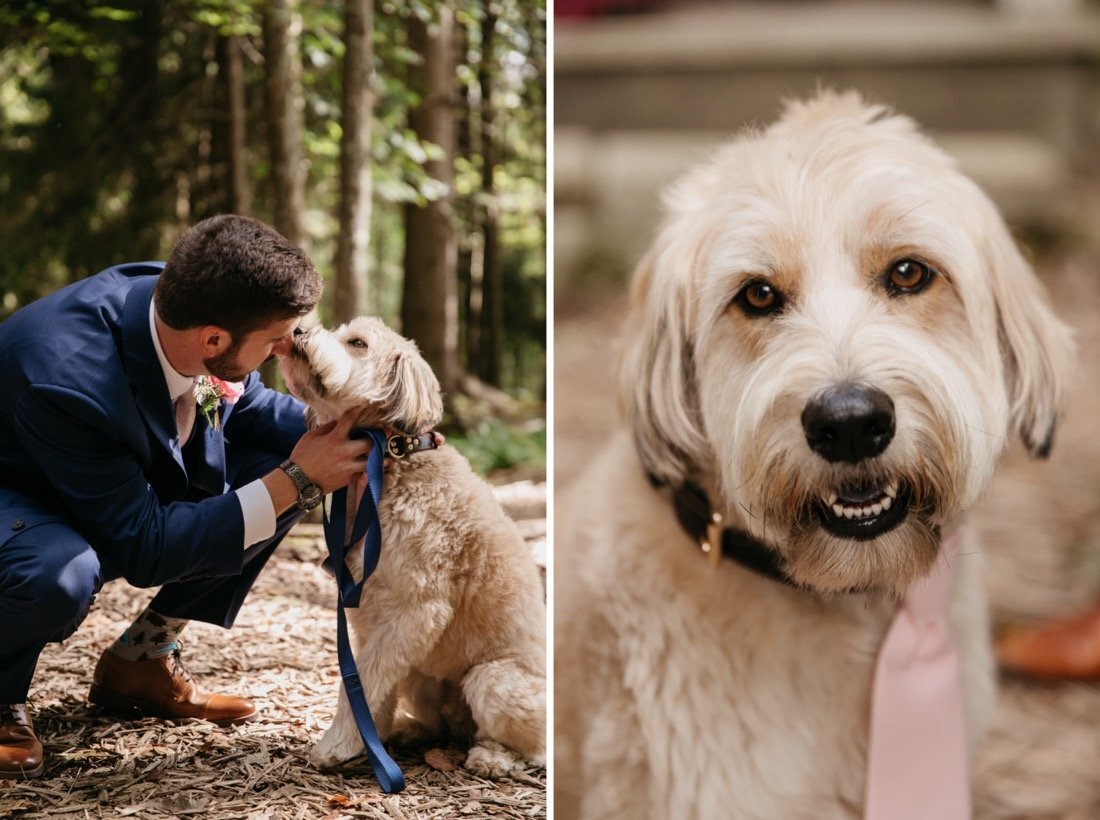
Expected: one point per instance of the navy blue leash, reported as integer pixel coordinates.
(366, 523)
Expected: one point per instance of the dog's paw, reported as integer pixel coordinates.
(332, 750)
(489, 759)
(408, 731)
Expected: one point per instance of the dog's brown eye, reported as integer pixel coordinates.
(908, 276)
(759, 299)
(357, 343)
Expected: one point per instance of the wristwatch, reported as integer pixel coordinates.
(309, 494)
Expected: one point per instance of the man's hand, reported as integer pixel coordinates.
(328, 458)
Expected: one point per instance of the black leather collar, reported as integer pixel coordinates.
(696, 516)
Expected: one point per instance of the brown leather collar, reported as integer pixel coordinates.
(399, 445)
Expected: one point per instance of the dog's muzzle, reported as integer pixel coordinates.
(851, 423)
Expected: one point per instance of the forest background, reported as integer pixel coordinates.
(402, 144)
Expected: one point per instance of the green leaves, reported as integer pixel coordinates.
(113, 130)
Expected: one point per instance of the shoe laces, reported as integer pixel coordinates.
(14, 713)
(177, 663)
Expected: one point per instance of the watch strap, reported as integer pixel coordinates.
(309, 493)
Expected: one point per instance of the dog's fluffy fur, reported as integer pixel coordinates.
(691, 692)
(451, 626)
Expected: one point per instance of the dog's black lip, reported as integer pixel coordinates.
(865, 529)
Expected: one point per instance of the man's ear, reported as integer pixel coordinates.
(214, 340)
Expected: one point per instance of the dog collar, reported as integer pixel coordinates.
(399, 445)
(704, 525)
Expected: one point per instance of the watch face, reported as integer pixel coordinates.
(310, 497)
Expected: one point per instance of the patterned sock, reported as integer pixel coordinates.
(150, 636)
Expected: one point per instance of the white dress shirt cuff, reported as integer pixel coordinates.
(258, 511)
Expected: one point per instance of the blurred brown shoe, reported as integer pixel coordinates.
(161, 687)
(20, 749)
(1068, 648)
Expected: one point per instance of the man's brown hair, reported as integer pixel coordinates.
(237, 273)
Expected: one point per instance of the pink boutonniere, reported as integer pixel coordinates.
(210, 392)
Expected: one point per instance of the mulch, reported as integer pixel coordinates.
(282, 653)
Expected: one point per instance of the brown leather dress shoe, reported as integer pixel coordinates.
(1067, 649)
(20, 750)
(161, 687)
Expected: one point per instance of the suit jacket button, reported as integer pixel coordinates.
(18, 524)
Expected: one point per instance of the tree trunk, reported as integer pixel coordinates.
(282, 27)
(491, 336)
(285, 116)
(470, 268)
(139, 72)
(240, 186)
(429, 305)
(376, 278)
(355, 169)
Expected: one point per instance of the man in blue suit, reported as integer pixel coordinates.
(109, 468)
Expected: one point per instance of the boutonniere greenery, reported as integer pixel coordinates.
(210, 392)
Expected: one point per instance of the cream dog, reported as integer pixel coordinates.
(833, 337)
(452, 622)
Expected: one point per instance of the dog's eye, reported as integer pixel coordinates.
(759, 299)
(357, 343)
(908, 276)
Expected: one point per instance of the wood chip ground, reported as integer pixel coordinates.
(282, 652)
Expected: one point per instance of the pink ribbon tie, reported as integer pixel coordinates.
(917, 757)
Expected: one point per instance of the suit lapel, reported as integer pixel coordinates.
(144, 372)
(201, 463)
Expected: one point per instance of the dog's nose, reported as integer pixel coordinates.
(849, 422)
(298, 339)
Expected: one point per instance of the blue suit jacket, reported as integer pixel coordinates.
(88, 435)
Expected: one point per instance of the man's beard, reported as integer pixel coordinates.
(225, 366)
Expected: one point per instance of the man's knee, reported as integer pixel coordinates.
(54, 582)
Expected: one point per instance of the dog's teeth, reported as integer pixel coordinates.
(831, 501)
(852, 512)
(892, 490)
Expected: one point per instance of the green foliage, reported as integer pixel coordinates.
(495, 445)
(113, 122)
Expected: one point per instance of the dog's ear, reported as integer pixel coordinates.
(416, 400)
(1036, 347)
(657, 372)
